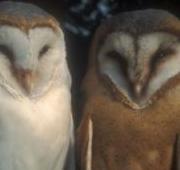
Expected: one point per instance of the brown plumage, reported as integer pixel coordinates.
(24, 19)
(126, 137)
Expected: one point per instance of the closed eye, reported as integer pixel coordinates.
(43, 51)
(7, 52)
(123, 64)
(160, 56)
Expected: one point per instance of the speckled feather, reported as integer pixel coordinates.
(125, 138)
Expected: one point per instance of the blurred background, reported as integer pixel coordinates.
(80, 18)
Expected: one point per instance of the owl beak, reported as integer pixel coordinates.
(138, 81)
(26, 79)
(138, 89)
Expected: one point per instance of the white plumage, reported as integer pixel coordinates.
(36, 125)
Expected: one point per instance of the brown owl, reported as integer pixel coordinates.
(131, 111)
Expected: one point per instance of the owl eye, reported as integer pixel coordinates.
(161, 56)
(120, 60)
(43, 51)
(7, 52)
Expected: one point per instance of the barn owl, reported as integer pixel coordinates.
(131, 111)
(36, 125)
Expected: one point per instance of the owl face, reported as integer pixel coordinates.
(32, 52)
(30, 58)
(138, 64)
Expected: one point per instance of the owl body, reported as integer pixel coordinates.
(35, 99)
(131, 89)
(32, 135)
(128, 139)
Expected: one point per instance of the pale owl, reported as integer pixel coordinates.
(36, 125)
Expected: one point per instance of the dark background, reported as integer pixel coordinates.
(80, 18)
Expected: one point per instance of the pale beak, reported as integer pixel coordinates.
(138, 89)
(138, 80)
(26, 79)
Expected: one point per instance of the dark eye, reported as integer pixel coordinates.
(120, 60)
(161, 56)
(7, 52)
(43, 51)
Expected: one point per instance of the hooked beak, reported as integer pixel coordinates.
(138, 80)
(26, 79)
(138, 84)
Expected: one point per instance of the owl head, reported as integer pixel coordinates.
(136, 55)
(32, 49)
